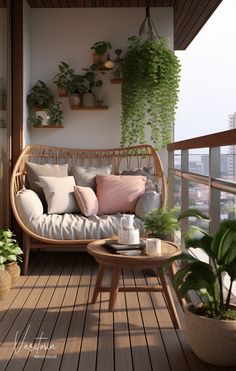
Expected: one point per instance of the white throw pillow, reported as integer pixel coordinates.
(59, 194)
(148, 201)
(29, 205)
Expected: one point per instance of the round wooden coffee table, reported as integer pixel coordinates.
(142, 261)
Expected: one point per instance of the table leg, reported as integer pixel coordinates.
(114, 288)
(169, 299)
(172, 271)
(99, 279)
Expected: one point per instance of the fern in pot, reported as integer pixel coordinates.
(149, 91)
(211, 326)
(161, 223)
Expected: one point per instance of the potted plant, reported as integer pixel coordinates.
(46, 109)
(76, 88)
(64, 78)
(10, 253)
(211, 326)
(91, 83)
(149, 91)
(161, 223)
(100, 52)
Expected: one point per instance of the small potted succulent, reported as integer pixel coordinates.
(211, 326)
(64, 78)
(10, 253)
(45, 109)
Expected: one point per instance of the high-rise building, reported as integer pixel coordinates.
(232, 150)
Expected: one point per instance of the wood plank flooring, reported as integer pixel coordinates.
(47, 323)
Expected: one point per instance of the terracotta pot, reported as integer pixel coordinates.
(14, 270)
(5, 284)
(212, 340)
(62, 92)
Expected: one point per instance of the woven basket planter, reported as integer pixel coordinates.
(14, 270)
(5, 284)
(213, 341)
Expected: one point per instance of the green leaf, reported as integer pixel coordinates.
(193, 213)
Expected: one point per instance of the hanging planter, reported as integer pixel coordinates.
(149, 88)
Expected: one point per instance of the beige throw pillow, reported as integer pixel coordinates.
(34, 171)
(59, 193)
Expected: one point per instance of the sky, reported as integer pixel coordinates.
(208, 76)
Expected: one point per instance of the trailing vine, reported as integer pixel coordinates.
(149, 91)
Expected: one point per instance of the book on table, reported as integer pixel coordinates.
(114, 246)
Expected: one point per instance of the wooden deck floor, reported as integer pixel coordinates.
(48, 323)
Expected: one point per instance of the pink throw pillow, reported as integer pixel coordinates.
(87, 200)
(119, 193)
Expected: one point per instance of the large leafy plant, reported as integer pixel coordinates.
(9, 248)
(65, 76)
(149, 91)
(206, 278)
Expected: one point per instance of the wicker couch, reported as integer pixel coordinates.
(120, 159)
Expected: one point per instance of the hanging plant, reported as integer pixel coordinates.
(149, 91)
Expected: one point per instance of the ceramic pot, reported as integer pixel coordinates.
(75, 100)
(88, 100)
(212, 340)
(14, 270)
(5, 284)
(43, 113)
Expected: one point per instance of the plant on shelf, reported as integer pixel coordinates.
(76, 88)
(100, 52)
(10, 253)
(47, 109)
(214, 319)
(91, 82)
(161, 223)
(151, 74)
(64, 78)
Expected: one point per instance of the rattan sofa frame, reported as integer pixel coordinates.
(120, 158)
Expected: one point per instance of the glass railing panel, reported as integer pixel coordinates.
(228, 163)
(227, 206)
(177, 192)
(177, 159)
(199, 161)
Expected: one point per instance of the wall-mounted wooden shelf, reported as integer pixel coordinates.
(49, 127)
(89, 108)
(116, 81)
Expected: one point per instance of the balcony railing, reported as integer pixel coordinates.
(218, 179)
(205, 180)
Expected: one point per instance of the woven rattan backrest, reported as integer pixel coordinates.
(120, 159)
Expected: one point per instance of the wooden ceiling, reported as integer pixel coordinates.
(189, 15)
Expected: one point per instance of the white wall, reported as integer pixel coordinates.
(67, 35)
(26, 69)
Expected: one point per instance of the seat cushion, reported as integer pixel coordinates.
(77, 227)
